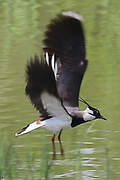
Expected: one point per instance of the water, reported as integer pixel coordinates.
(92, 149)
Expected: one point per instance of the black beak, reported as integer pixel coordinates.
(101, 117)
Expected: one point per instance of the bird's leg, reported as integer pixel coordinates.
(54, 150)
(61, 147)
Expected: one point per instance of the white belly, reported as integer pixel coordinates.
(55, 124)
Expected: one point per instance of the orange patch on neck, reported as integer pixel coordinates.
(38, 122)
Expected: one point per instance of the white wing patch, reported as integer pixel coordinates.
(52, 62)
(54, 65)
(56, 69)
(47, 58)
(73, 15)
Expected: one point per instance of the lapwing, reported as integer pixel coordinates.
(53, 82)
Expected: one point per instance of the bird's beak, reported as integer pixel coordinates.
(101, 117)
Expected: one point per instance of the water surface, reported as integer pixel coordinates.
(92, 150)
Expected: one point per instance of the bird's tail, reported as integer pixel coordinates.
(30, 127)
(65, 38)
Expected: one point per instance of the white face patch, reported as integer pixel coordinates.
(89, 110)
(87, 115)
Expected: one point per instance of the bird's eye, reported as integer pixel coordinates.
(96, 113)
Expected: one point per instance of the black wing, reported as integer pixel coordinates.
(65, 38)
(41, 88)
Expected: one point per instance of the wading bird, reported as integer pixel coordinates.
(53, 82)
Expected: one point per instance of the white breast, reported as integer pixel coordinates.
(55, 124)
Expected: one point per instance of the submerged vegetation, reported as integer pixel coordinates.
(7, 161)
(12, 166)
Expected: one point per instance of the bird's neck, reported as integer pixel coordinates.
(80, 117)
(74, 111)
(77, 121)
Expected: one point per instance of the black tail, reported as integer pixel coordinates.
(65, 38)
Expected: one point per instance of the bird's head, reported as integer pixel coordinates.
(90, 112)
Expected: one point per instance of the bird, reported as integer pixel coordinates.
(53, 80)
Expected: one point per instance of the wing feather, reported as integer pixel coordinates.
(41, 88)
(64, 37)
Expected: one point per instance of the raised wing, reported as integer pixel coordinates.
(65, 38)
(41, 89)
